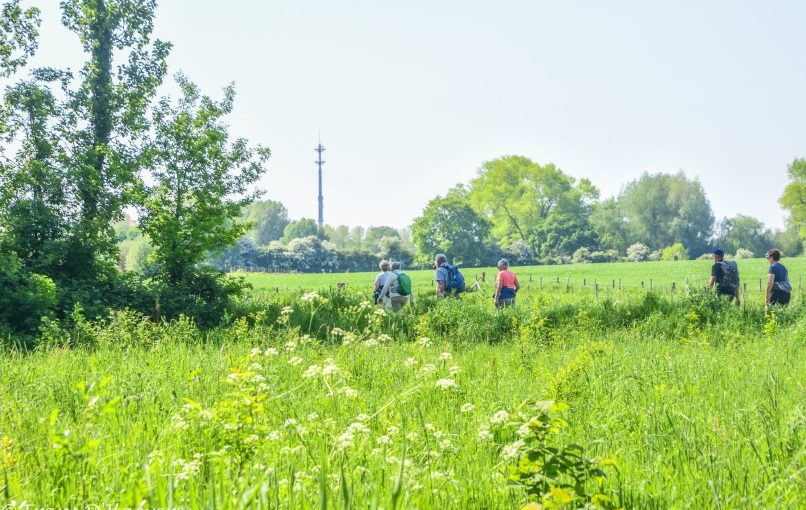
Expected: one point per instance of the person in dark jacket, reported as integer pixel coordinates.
(725, 286)
(779, 290)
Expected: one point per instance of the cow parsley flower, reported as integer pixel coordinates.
(296, 360)
(467, 408)
(499, 417)
(446, 384)
(445, 356)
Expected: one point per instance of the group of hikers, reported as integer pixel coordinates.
(393, 288)
(725, 276)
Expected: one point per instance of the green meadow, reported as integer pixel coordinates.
(311, 397)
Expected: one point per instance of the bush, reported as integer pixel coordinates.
(205, 295)
(674, 252)
(742, 253)
(638, 252)
(25, 298)
(582, 256)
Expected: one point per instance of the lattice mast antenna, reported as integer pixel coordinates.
(320, 149)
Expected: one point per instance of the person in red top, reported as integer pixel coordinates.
(506, 285)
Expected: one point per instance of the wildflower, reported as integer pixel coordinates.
(410, 362)
(330, 368)
(523, 430)
(206, 415)
(337, 332)
(345, 440)
(254, 352)
(454, 370)
(446, 384)
(186, 468)
(296, 360)
(424, 342)
(291, 346)
(363, 417)
(274, 435)
(429, 368)
(445, 356)
(371, 342)
(485, 435)
(305, 339)
(287, 310)
(383, 337)
(392, 430)
(271, 352)
(384, 440)
(513, 451)
(380, 312)
(255, 367)
(177, 423)
(349, 392)
(499, 417)
(312, 371)
(412, 436)
(310, 297)
(257, 379)
(467, 408)
(290, 423)
(312, 416)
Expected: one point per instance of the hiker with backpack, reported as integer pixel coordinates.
(725, 275)
(779, 290)
(396, 291)
(506, 285)
(380, 280)
(448, 277)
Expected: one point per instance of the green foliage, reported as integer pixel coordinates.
(268, 219)
(305, 227)
(107, 119)
(449, 225)
(25, 298)
(19, 29)
(793, 199)
(664, 209)
(555, 474)
(520, 199)
(744, 232)
(200, 182)
(675, 252)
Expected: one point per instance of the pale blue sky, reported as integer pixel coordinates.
(411, 97)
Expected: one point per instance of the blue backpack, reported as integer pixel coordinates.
(456, 282)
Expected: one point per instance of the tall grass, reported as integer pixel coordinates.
(318, 400)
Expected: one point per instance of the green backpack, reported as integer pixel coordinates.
(403, 284)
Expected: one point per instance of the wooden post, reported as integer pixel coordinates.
(596, 287)
(759, 284)
(541, 283)
(650, 285)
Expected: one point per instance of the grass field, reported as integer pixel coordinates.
(321, 401)
(574, 277)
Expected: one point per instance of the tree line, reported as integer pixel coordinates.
(529, 213)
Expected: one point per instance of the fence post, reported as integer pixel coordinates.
(759, 284)
(650, 285)
(541, 283)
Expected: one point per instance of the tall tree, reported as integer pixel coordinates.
(451, 226)
(33, 208)
(663, 209)
(744, 232)
(268, 219)
(610, 225)
(109, 111)
(794, 198)
(301, 228)
(201, 181)
(517, 196)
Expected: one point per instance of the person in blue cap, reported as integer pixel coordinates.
(725, 275)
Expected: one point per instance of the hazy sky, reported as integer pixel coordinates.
(412, 97)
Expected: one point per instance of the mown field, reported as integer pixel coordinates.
(628, 399)
(660, 276)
